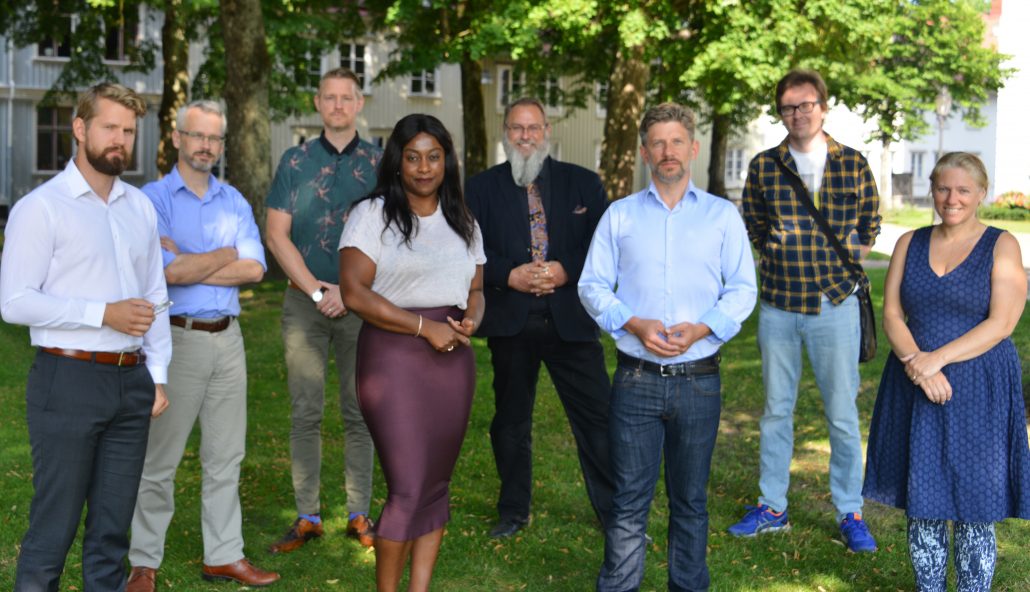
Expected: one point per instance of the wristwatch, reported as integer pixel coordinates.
(317, 295)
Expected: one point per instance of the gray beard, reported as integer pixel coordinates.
(525, 169)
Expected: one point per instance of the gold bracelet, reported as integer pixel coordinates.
(419, 332)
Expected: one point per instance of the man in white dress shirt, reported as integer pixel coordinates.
(82, 268)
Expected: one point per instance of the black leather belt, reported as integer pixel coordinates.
(709, 365)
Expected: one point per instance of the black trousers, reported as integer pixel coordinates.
(579, 375)
(88, 426)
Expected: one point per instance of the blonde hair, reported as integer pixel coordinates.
(126, 97)
(966, 161)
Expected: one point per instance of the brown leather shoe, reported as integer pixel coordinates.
(243, 571)
(362, 528)
(301, 532)
(141, 579)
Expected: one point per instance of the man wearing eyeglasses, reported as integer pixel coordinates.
(537, 216)
(210, 245)
(807, 299)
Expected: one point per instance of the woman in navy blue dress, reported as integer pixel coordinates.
(948, 438)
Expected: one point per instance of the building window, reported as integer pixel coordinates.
(734, 165)
(352, 55)
(59, 47)
(551, 92)
(120, 40)
(917, 164)
(309, 72)
(509, 86)
(53, 138)
(601, 98)
(423, 83)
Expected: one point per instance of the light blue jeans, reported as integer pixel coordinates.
(832, 341)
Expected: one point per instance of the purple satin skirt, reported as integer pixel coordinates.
(416, 403)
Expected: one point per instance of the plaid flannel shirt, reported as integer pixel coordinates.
(797, 263)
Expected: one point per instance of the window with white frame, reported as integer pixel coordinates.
(120, 40)
(734, 165)
(916, 164)
(551, 95)
(601, 98)
(307, 72)
(352, 56)
(509, 86)
(423, 83)
(60, 46)
(53, 138)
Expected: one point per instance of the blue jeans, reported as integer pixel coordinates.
(832, 341)
(650, 414)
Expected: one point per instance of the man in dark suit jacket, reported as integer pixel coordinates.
(537, 216)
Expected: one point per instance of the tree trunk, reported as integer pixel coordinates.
(627, 85)
(473, 118)
(175, 51)
(248, 148)
(717, 161)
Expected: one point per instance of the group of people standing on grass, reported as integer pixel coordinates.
(132, 299)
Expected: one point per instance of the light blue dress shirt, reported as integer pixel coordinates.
(692, 263)
(221, 218)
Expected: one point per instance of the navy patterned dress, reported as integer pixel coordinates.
(968, 459)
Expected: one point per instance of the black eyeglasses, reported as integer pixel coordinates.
(788, 110)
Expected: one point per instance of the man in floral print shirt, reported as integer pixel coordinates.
(315, 184)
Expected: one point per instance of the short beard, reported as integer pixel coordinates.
(100, 162)
(525, 169)
(670, 179)
(199, 165)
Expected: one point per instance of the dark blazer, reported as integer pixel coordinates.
(574, 204)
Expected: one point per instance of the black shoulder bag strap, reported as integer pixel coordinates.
(806, 200)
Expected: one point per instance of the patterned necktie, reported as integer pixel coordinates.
(537, 224)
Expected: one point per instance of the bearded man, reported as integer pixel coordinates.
(82, 269)
(537, 216)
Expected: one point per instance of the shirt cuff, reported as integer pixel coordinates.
(158, 373)
(723, 327)
(93, 314)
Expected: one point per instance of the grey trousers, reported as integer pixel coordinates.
(207, 380)
(307, 337)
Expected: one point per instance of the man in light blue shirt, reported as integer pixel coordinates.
(211, 245)
(670, 275)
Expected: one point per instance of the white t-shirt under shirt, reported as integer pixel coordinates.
(435, 271)
(811, 166)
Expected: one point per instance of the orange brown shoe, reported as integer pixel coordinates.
(243, 571)
(141, 579)
(302, 531)
(362, 528)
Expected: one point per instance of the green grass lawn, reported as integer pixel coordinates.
(562, 548)
(912, 217)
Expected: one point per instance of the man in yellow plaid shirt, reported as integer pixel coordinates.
(807, 299)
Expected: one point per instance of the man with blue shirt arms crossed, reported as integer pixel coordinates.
(670, 275)
(211, 245)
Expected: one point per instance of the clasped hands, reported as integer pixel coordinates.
(444, 337)
(539, 278)
(924, 370)
(666, 341)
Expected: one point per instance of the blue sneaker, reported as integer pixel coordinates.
(856, 534)
(760, 519)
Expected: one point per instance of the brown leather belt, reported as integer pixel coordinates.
(199, 325)
(133, 358)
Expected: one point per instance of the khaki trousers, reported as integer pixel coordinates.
(307, 337)
(207, 380)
